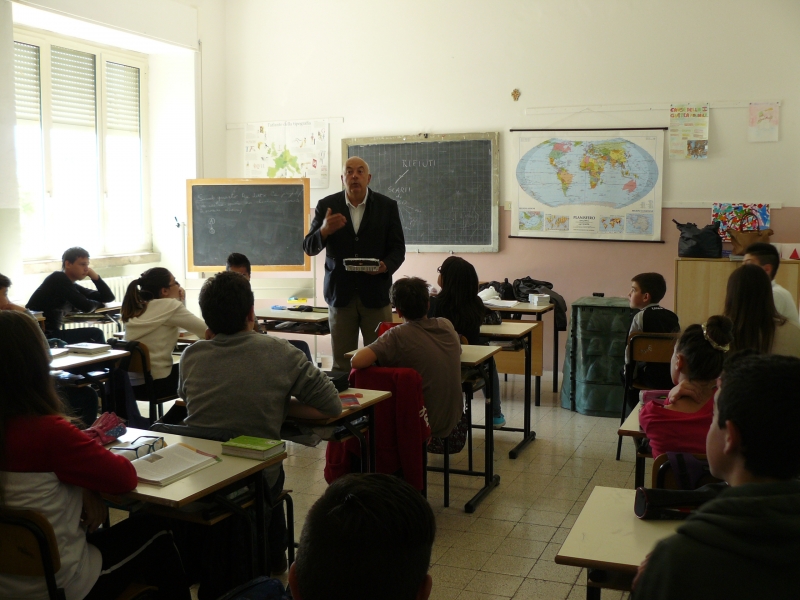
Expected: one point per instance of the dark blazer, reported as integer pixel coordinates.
(379, 236)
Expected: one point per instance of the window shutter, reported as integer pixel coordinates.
(122, 97)
(26, 82)
(73, 83)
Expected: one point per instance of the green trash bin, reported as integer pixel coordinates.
(595, 356)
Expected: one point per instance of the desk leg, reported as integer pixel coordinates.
(373, 461)
(362, 443)
(527, 435)
(261, 524)
(490, 479)
(555, 355)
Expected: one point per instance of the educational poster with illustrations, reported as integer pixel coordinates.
(688, 131)
(739, 217)
(591, 184)
(763, 122)
(287, 149)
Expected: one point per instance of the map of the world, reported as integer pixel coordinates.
(602, 184)
(612, 173)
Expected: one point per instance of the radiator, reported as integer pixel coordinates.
(118, 286)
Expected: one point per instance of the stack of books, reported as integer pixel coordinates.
(253, 447)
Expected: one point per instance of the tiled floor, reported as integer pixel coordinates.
(506, 549)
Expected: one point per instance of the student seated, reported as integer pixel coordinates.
(5, 303)
(745, 543)
(59, 294)
(368, 536)
(429, 346)
(153, 313)
(50, 467)
(458, 302)
(681, 424)
(647, 290)
(238, 263)
(247, 383)
(766, 256)
(756, 324)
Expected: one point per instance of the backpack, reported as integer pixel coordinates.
(699, 243)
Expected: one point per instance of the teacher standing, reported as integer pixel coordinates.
(356, 223)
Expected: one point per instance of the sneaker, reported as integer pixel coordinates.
(498, 422)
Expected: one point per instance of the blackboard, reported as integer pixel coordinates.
(446, 187)
(264, 219)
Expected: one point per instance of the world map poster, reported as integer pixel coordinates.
(590, 184)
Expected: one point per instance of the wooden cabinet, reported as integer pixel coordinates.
(701, 283)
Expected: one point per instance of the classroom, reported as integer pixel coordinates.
(210, 67)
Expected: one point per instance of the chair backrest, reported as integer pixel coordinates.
(28, 547)
(652, 347)
(664, 476)
(385, 326)
(138, 361)
(206, 433)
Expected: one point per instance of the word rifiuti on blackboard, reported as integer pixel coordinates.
(419, 163)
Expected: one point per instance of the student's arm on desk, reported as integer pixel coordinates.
(364, 358)
(317, 397)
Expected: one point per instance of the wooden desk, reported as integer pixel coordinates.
(525, 308)
(205, 482)
(630, 428)
(291, 316)
(477, 356)
(74, 361)
(110, 311)
(610, 541)
(515, 330)
(366, 407)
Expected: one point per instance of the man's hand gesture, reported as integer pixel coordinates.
(332, 223)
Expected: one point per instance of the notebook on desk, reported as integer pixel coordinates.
(87, 348)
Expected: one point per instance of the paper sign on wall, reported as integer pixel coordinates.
(763, 122)
(688, 131)
(287, 149)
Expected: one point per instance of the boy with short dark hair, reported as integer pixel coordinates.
(59, 294)
(429, 346)
(5, 303)
(766, 256)
(647, 290)
(238, 263)
(746, 542)
(243, 382)
(380, 519)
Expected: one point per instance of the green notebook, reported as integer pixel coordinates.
(253, 447)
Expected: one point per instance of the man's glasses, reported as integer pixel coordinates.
(141, 446)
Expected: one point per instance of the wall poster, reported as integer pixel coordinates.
(287, 149)
(598, 184)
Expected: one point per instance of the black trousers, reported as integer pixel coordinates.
(138, 550)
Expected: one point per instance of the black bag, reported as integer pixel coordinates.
(654, 504)
(526, 286)
(699, 243)
(505, 290)
(491, 317)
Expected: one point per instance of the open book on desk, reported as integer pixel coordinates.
(171, 463)
(500, 303)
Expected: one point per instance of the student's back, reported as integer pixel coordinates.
(429, 346)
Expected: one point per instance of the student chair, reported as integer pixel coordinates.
(28, 548)
(643, 347)
(139, 362)
(687, 477)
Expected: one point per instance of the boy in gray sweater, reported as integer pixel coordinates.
(249, 383)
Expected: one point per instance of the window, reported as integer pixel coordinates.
(80, 148)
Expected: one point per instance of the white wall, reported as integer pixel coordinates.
(421, 66)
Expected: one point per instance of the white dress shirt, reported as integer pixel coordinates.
(357, 212)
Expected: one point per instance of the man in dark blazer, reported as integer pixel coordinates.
(356, 223)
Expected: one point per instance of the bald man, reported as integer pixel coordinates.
(356, 223)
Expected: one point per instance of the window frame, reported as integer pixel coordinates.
(103, 54)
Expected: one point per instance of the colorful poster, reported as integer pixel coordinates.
(739, 217)
(688, 131)
(764, 121)
(592, 184)
(287, 149)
